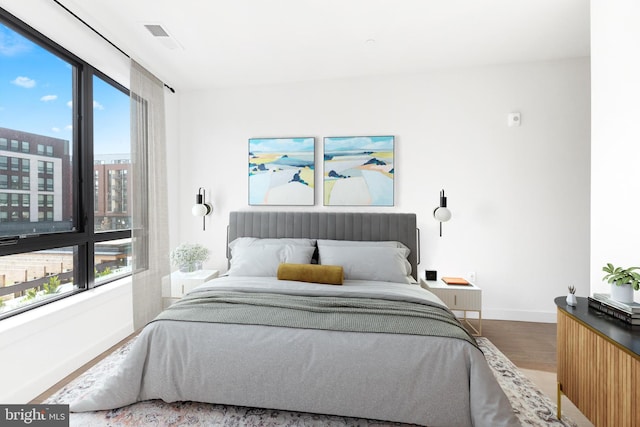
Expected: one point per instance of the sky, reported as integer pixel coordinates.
(373, 143)
(36, 94)
(281, 145)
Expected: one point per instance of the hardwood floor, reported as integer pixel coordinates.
(528, 345)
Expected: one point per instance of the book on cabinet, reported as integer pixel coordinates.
(629, 318)
(632, 307)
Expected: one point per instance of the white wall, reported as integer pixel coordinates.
(615, 146)
(519, 196)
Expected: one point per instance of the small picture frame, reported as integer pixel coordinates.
(282, 171)
(359, 171)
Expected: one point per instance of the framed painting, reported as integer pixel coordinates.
(358, 171)
(281, 171)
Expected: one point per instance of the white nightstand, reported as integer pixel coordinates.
(458, 298)
(181, 283)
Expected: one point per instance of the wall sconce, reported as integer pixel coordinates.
(201, 208)
(442, 213)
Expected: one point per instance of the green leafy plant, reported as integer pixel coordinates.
(105, 272)
(31, 294)
(188, 254)
(621, 276)
(51, 287)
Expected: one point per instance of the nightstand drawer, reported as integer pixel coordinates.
(181, 283)
(460, 299)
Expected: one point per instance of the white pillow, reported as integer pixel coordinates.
(298, 254)
(375, 243)
(384, 264)
(255, 241)
(255, 261)
(367, 243)
(263, 260)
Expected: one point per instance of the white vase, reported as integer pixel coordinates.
(191, 267)
(622, 293)
(571, 300)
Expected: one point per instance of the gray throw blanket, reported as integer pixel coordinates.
(351, 314)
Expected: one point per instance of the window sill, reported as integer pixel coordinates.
(65, 307)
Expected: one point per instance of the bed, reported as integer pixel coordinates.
(377, 346)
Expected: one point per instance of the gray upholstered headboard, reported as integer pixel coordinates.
(400, 227)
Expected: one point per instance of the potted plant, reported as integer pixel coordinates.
(623, 282)
(571, 296)
(189, 257)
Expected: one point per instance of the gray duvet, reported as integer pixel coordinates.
(421, 378)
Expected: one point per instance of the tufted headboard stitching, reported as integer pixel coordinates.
(400, 227)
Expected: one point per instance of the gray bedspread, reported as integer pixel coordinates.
(412, 378)
(333, 313)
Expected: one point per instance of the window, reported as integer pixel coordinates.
(58, 253)
(112, 160)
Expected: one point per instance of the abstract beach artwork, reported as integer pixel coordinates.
(358, 171)
(281, 171)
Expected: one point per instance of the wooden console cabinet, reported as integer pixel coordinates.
(598, 365)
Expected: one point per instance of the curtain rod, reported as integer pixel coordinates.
(103, 37)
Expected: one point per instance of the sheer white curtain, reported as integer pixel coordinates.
(150, 245)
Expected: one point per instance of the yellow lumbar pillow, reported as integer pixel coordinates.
(314, 273)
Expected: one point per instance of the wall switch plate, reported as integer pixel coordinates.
(472, 276)
(513, 119)
(431, 275)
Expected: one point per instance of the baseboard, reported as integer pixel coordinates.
(520, 315)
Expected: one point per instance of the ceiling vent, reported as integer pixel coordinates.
(163, 36)
(156, 30)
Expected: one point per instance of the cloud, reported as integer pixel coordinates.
(374, 143)
(70, 104)
(13, 44)
(49, 98)
(55, 129)
(25, 82)
(68, 127)
(280, 145)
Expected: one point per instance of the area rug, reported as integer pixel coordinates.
(532, 406)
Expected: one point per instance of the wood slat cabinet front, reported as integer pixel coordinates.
(601, 377)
